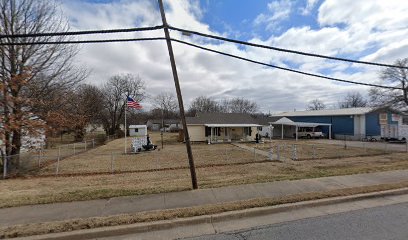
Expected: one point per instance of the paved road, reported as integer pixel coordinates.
(379, 223)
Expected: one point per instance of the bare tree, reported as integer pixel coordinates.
(116, 91)
(397, 98)
(352, 100)
(31, 73)
(203, 104)
(316, 104)
(166, 102)
(238, 105)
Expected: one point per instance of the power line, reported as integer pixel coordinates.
(125, 30)
(196, 46)
(283, 49)
(84, 41)
(86, 32)
(282, 68)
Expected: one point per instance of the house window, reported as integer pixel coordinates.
(248, 131)
(136, 129)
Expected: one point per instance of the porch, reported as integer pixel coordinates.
(219, 133)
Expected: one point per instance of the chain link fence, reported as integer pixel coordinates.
(75, 159)
(314, 151)
(33, 161)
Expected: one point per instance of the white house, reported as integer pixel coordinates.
(137, 130)
(222, 127)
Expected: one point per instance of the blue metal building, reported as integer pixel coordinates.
(353, 123)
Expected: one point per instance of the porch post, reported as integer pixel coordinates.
(211, 137)
(330, 130)
(296, 132)
(282, 131)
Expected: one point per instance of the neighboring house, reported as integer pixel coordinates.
(353, 123)
(94, 128)
(169, 124)
(222, 127)
(137, 130)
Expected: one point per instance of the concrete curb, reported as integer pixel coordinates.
(209, 219)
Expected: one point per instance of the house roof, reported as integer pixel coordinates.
(137, 126)
(166, 121)
(264, 120)
(221, 118)
(327, 112)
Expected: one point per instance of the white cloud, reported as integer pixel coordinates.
(203, 73)
(310, 4)
(277, 12)
(373, 14)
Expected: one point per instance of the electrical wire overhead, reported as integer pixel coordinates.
(86, 32)
(283, 68)
(83, 41)
(185, 31)
(108, 31)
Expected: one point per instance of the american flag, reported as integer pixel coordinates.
(133, 104)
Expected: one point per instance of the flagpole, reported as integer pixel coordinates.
(125, 128)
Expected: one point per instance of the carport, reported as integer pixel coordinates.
(287, 122)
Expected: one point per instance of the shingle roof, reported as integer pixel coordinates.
(263, 120)
(221, 118)
(166, 121)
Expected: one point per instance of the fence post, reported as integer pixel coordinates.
(254, 154)
(385, 147)
(93, 143)
(294, 152)
(39, 159)
(406, 146)
(74, 148)
(58, 160)
(85, 145)
(313, 151)
(112, 163)
(271, 153)
(278, 152)
(5, 167)
(345, 142)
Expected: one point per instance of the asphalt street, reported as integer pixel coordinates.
(378, 223)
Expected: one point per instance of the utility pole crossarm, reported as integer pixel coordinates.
(179, 96)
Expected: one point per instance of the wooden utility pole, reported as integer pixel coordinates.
(179, 96)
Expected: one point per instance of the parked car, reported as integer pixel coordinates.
(306, 132)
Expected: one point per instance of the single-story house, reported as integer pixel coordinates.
(169, 124)
(222, 127)
(137, 130)
(353, 123)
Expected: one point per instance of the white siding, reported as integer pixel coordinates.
(197, 133)
(140, 132)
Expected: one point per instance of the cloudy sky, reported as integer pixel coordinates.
(369, 30)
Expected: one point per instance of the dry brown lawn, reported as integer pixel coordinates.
(309, 149)
(167, 170)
